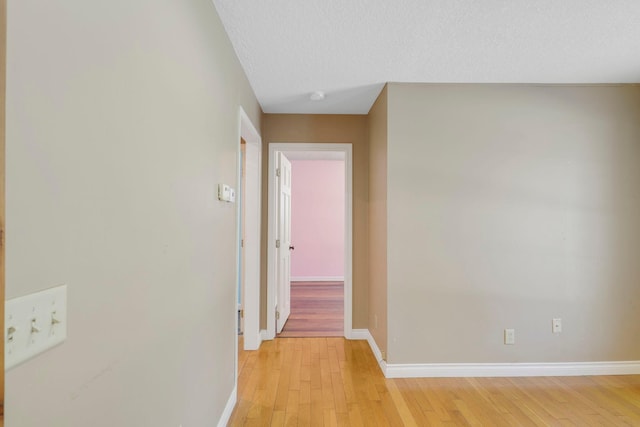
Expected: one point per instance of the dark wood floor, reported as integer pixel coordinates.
(317, 310)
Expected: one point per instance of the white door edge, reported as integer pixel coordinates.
(284, 235)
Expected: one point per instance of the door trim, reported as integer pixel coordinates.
(3, 80)
(251, 261)
(348, 230)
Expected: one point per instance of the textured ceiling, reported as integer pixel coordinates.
(350, 48)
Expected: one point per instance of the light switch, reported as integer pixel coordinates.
(34, 323)
(509, 336)
(226, 193)
(223, 192)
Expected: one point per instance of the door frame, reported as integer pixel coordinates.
(3, 80)
(271, 230)
(240, 194)
(251, 262)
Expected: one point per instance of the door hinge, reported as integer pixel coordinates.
(278, 244)
(277, 315)
(278, 172)
(242, 243)
(242, 314)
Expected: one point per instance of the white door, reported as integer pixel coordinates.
(283, 274)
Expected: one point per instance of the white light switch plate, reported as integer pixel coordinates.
(34, 323)
(226, 193)
(509, 336)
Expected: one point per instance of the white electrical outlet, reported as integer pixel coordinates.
(509, 336)
(556, 326)
(34, 323)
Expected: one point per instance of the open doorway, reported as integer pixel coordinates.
(317, 242)
(331, 284)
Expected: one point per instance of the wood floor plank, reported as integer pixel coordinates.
(339, 397)
(317, 413)
(355, 416)
(278, 418)
(293, 407)
(317, 310)
(330, 419)
(333, 381)
(400, 404)
(304, 407)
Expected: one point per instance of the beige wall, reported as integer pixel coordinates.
(377, 126)
(350, 129)
(510, 205)
(122, 117)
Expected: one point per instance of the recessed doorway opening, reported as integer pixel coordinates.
(315, 291)
(317, 245)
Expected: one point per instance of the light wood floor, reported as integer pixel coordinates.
(317, 310)
(332, 381)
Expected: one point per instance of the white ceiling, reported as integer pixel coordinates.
(350, 48)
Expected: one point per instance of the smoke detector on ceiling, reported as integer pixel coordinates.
(317, 96)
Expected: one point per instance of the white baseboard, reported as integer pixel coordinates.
(359, 334)
(434, 370)
(317, 279)
(263, 335)
(228, 409)
(252, 343)
(438, 370)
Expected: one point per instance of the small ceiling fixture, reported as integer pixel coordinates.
(317, 96)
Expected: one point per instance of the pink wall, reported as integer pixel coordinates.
(317, 218)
